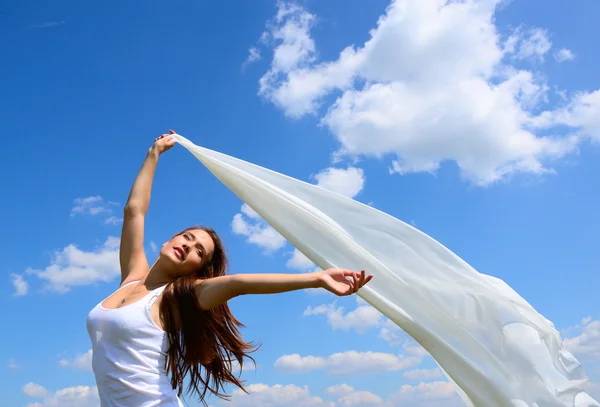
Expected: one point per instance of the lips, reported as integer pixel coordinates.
(179, 252)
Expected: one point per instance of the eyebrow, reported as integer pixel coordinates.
(202, 249)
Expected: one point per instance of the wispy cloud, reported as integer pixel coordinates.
(586, 345)
(21, 286)
(563, 55)
(96, 206)
(49, 24)
(81, 362)
(253, 56)
(113, 220)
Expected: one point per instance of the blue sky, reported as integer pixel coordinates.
(479, 125)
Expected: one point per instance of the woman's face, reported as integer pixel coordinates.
(188, 251)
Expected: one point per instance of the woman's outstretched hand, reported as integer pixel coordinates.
(163, 143)
(342, 282)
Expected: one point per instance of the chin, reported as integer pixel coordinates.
(169, 257)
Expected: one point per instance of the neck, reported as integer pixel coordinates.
(157, 276)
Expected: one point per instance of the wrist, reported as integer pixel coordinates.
(316, 279)
(153, 152)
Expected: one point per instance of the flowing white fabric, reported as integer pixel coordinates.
(489, 341)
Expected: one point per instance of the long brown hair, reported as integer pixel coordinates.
(200, 339)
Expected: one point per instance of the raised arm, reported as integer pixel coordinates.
(215, 291)
(134, 264)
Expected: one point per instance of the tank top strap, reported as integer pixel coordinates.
(154, 295)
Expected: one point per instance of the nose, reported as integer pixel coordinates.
(186, 248)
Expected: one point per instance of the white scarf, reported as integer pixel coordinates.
(488, 340)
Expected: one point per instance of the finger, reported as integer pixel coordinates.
(368, 278)
(348, 273)
(356, 283)
(172, 132)
(362, 278)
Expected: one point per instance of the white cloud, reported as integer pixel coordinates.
(488, 143)
(79, 396)
(257, 232)
(274, 396)
(253, 56)
(534, 44)
(91, 205)
(348, 182)
(433, 83)
(34, 390)
(349, 397)
(427, 394)
(343, 395)
(565, 332)
(299, 261)
(411, 347)
(339, 389)
(20, 284)
(295, 48)
(580, 113)
(347, 363)
(391, 333)
(249, 212)
(359, 398)
(72, 266)
(96, 205)
(586, 345)
(360, 319)
(81, 362)
(113, 220)
(423, 374)
(300, 364)
(153, 247)
(564, 54)
(365, 317)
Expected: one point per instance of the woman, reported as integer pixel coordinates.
(170, 321)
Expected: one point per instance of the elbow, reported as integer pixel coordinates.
(237, 285)
(132, 209)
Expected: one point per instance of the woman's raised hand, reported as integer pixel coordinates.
(163, 143)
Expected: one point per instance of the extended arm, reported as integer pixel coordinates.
(131, 254)
(215, 291)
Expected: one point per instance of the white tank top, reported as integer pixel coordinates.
(129, 352)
